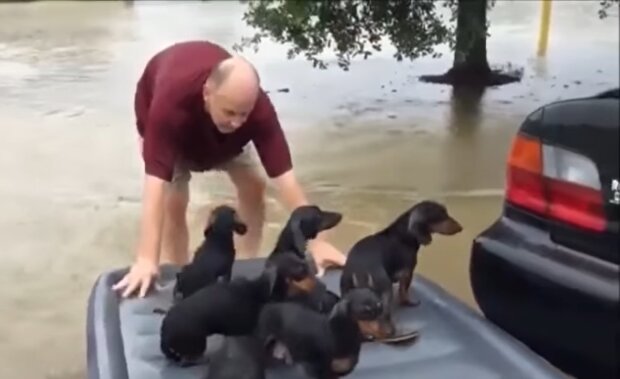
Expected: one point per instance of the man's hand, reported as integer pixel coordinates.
(325, 255)
(146, 266)
(141, 275)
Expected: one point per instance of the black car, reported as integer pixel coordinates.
(546, 271)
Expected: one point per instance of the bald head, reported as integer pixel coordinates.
(234, 72)
(230, 92)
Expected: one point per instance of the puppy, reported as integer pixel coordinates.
(227, 308)
(243, 357)
(294, 279)
(379, 260)
(213, 260)
(240, 357)
(320, 298)
(304, 224)
(325, 345)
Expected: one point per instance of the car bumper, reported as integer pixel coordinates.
(562, 304)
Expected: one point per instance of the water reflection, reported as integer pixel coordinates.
(368, 142)
(466, 109)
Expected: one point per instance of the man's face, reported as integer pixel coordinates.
(229, 107)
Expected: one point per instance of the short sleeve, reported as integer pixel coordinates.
(269, 139)
(160, 142)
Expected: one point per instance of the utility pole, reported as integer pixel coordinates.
(545, 19)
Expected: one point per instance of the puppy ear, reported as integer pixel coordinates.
(371, 283)
(271, 272)
(341, 309)
(210, 222)
(299, 240)
(329, 220)
(418, 228)
(211, 219)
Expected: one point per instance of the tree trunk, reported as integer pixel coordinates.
(470, 54)
(470, 67)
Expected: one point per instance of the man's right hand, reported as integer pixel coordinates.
(141, 275)
(145, 269)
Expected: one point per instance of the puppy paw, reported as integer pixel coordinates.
(281, 353)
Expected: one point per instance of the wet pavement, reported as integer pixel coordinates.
(367, 142)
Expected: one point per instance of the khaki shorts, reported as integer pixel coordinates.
(183, 171)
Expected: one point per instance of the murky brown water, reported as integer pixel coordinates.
(367, 142)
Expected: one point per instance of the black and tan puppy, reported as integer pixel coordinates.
(295, 278)
(319, 298)
(304, 224)
(213, 260)
(240, 357)
(227, 308)
(389, 256)
(243, 357)
(325, 345)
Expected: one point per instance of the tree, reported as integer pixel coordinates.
(605, 5)
(470, 65)
(357, 27)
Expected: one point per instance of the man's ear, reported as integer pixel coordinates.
(206, 91)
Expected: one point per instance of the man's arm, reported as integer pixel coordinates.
(159, 152)
(274, 152)
(146, 265)
(290, 190)
(152, 220)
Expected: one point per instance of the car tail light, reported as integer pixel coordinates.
(555, 183)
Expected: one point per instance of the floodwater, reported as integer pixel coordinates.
(367, 142)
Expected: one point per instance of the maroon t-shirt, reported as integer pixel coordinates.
(171, 118)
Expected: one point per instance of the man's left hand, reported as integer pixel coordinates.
(325, 255)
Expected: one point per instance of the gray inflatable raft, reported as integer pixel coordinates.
(454, 342)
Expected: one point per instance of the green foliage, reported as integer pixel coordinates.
(355, 28)
(350, 27)
(605, 5)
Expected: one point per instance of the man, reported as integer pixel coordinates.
(197, 108)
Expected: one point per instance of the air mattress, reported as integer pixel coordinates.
(454, 341)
